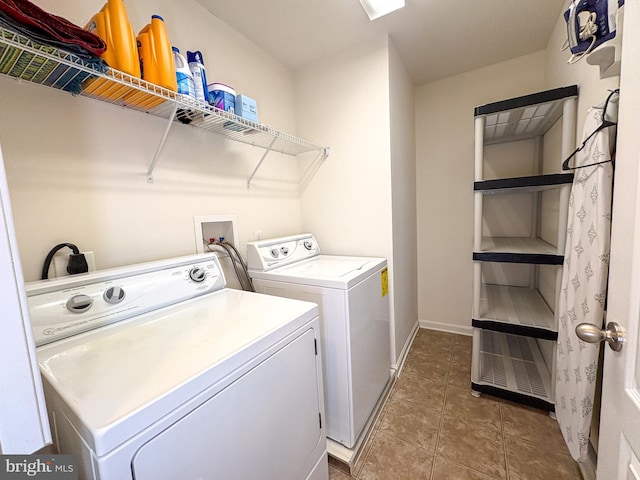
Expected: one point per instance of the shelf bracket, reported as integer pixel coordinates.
(161, 144)
(313, 168)
(264, 155)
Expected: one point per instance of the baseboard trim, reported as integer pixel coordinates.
(447, 327)
(405, 349)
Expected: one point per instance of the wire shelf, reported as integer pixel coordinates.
(23, 59)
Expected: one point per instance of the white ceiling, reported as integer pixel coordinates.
(434, 38)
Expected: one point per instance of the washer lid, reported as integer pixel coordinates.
(119, 379)
(325, 271)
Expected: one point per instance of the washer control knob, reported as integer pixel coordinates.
(284, 250)
(308, 244)
(79, 303)
(113, 295)
(275, 252)
(197, 274)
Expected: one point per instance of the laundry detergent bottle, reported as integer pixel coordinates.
(112, 25)
(156, 57)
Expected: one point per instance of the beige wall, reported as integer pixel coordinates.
(362, 199)
(345, 101)
(403, 196)
(444, 176)
(76, 167)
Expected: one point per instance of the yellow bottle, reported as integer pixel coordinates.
(112, 25)
(156, 57)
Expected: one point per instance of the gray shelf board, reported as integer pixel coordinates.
(522, 245)
(515, 305)
(523, 117)
(513, 363)
(517, 250)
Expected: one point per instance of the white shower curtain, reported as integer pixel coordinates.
(584, 283)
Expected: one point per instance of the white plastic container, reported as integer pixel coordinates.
(183, 74)
(222, 96)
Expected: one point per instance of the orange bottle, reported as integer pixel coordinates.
(112, 25)
(156, 57)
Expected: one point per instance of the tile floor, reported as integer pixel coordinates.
(432, 428)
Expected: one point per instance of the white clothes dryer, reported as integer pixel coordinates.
(158, 372)
(352, 294)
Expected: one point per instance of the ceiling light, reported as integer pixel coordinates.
(378, 8)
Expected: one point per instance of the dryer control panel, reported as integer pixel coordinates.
(265, 255)
(67, 306)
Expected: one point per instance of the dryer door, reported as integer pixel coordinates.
(265, 425)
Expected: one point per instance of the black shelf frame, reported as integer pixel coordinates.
(529, 182)
(510, 257)
(524, 330)
(513, 396)
(527, 100)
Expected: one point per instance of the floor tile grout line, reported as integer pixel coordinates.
(504, 443)
(467, 467)
(536, 445)
(441, 421)
(440, 426)
(369, 448)
(435, 454)
(400, 439)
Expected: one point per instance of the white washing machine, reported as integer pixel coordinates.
(158, 372)
(352, 293)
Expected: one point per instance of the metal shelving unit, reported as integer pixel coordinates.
(23, 59)
(514, 325)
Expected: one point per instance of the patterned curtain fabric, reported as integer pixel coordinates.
(584, 284)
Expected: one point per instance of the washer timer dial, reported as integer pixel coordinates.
(79, 303)
(197, 274)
